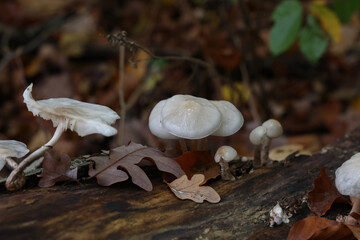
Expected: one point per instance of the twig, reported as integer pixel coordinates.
(121, 93)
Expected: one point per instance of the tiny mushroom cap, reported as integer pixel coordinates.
(11, 148)
(227, 153)
(347, 178)
(231, 119)
(273, 128)
(257, 135)
(190, 117)
(83, 118)
(155, 125)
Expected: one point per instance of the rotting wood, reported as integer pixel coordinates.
(124, 211)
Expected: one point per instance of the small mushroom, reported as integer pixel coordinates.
(223, 156)
(273, 130)
(9, 149)
(278, 216)
(347, 181)
(83, 118)
(261, 137)
(257, 137)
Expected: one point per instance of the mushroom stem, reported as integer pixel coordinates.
(355, 209)
(257, 156)
(265, 151)
(11, 163)
(225, 170)
(16, 178)
(183, 145)
(203, 144)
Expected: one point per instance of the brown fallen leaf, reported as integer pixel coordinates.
(324, 194)
(108, 171)
(56, 170)
(318, 228)
(184, 188)
(198, 162)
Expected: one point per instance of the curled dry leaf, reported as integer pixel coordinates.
(184, 188)
(56, 170)
(198, 162)
(107, 169)
(318, 228)
(324, 194)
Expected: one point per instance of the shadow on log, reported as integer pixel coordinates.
(124, 211)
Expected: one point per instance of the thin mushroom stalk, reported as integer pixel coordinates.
(264, 156)
(11, 163)
(16, 178)
(225, 170)
(355, 209)
(257, 156)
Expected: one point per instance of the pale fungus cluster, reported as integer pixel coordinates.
(188, 117)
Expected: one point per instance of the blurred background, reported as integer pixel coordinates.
(311, 85)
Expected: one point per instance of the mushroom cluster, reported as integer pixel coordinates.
(347, 181)
(261, 137)
(188, 117)
(80, 117)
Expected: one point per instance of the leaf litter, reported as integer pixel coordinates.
(122, 162)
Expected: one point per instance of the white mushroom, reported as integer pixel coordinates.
(83, 118)
(11, 148)
(231, 119)
(223, 156)
(273, 130)
(155, 125)
(347, 181)
(278, 216)
(261, 137)
(257, 137)
(190, 117)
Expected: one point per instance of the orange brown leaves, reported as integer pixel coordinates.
(323, 195)
(317, 228)
(107, 169)
(201, 162)
(184, 188)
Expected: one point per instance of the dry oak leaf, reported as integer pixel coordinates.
(324, 194)
(56, 170)
(108, 168)
(318, 228)
(184, 188)
(198, 162)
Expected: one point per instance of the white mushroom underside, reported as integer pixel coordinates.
(11, 148)
(190, 117)
(231, 119)
(84, 118)
(347, 179)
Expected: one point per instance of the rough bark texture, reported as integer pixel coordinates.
(124, 211)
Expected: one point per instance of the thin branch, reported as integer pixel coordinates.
(121, 93)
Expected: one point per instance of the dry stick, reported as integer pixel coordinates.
(252, 104)
(121, 93)
(16, 178)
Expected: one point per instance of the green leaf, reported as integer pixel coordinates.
(287, 18)
(344, 9)
(312, 41)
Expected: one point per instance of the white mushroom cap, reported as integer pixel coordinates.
(273, 128)
(227, 153)
(83, 118)
(155, 125)
(257, 135)
(231, 118)
(190, 117)
(11, 148)
(347, 178)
